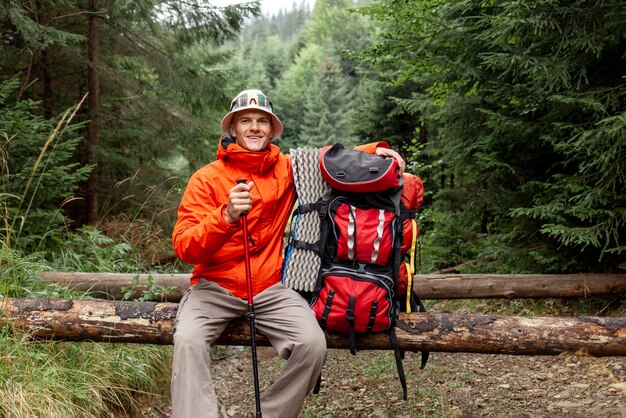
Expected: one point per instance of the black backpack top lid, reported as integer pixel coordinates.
(353, 170)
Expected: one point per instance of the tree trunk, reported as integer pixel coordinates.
(48, 107)
(152, 323)
(434, 286)
(93, 51)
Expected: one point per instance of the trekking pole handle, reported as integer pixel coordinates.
(242, 181)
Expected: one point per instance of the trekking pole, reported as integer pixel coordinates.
(250, 313)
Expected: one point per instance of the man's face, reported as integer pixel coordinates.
(252, 129)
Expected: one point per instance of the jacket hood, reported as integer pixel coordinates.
(259, 162)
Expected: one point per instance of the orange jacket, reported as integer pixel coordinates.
(203, 238)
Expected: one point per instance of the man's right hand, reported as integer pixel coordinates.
(239, 201)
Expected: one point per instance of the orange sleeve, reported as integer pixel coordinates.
(200, 230)
(371, 147)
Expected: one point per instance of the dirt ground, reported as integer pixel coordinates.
(451, 385)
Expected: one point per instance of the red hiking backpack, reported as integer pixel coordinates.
(366, 225)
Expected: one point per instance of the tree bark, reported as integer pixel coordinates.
(93, 51)
(48, 109)
(152, 323)
(434, 286)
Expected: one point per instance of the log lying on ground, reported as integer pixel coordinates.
(116, 285)
(152, 323)
(489, 286)
(432, 286)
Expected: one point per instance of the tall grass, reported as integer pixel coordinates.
(60, 379)
(46, 379)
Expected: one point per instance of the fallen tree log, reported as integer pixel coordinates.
(427, 286)
(534, 286)
(152, 323)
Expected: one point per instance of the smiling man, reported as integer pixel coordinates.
(209, 235)
(253, 130)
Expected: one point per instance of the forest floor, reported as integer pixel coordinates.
(451, 385)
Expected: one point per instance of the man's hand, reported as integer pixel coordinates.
(239, 201)
(386, 152)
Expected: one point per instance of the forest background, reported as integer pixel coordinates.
(512, 113)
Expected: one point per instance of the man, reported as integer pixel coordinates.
(209, 235)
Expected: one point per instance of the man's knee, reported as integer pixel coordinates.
(189, 338)
(315, 343)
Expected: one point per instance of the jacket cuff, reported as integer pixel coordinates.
(226, 223)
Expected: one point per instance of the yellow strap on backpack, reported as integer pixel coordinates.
(410, 267)
(409, 283)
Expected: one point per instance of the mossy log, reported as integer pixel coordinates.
(427, 286)
(152, 323)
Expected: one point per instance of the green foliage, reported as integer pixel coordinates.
(88, 250)
(159, 112)
(591, 194)
(328, 109)
(452, 242)
(524, 106)
(19, 22)
(198, 20)
(71, 379)
(153, 291)
(18, 272)
(318, 90)
(265, 49)
(38, 174)
(336, 24)
(293, 92)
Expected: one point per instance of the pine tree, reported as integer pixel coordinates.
(526, 101)
(328, 108)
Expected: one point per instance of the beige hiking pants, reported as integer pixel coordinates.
(280, 314)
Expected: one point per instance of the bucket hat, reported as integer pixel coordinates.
(252, 99)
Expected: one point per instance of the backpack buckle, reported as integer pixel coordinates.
(350, 310)
(323, 211)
